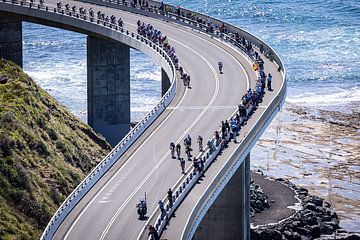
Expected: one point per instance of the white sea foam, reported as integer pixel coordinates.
(334, 97)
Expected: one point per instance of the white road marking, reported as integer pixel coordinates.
(180, 107)
(79, 216)
(110, 180)
(106, 230)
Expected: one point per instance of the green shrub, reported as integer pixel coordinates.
(6, 145)
(52, 134)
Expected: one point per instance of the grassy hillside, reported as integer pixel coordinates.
(44, 153)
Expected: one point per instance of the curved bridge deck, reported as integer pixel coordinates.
(108, 209)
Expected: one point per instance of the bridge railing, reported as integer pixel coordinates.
(81, 190)
(191, 179)
(190, 18)
(225, 174)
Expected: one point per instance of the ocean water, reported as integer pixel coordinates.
(58, 64)
(318, 40)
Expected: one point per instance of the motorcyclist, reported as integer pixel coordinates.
(142, 208)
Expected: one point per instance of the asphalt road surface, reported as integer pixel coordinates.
(108, 211)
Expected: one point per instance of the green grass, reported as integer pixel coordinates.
(44, 153)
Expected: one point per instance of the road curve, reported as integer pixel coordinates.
(108, 209)
(150, 168)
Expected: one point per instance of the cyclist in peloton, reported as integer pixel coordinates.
(200, 142)
(188, 139)
(172, 149)
(220, 64)
(178, 150)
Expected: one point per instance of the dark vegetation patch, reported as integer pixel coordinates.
(44, 153)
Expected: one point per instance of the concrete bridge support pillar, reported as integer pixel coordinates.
(165, 82)
(229, 216)
(108, 72)
(11, 40)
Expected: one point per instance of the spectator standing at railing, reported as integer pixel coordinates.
(217, 137)
(269, 79)
(170, 197)
(227, 125)
(196, 165)
(161, 8)
(234, 129)
(237, 117)
(201, 166)
(153, 233)
(210, 146)
(162, 208)
(223, 129)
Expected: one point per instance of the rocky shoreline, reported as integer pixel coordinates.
(258, 199)
(314, 219)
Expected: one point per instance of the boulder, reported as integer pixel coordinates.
(270, 234)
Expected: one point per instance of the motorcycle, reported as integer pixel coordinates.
(142, 208)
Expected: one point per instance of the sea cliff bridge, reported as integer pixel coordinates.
(103, 205)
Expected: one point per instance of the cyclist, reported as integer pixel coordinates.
(178, 150)
(220, 64)
(188, 138)
(200, 142)
(172, 149)
(182, 164)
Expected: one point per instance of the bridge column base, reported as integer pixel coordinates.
(165, 82)
(108, 72)
(11, 40)
(229, 216)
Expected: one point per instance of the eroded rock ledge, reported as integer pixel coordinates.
(314, 218)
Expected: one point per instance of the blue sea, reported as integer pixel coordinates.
(318, 40)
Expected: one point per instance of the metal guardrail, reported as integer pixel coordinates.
(189, 182)
(80, 191)
(189, 18)
(229, 169)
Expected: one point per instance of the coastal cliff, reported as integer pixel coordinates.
(45, 152)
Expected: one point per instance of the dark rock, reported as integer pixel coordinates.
(326, 204)
(310, 206)
(296, 224)
(315, 231)
(292, 235)
(317, 201)
(303, 190)
(303, 231)
(326, 228)
(303, 193)
(259, 205)
(270, 234)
